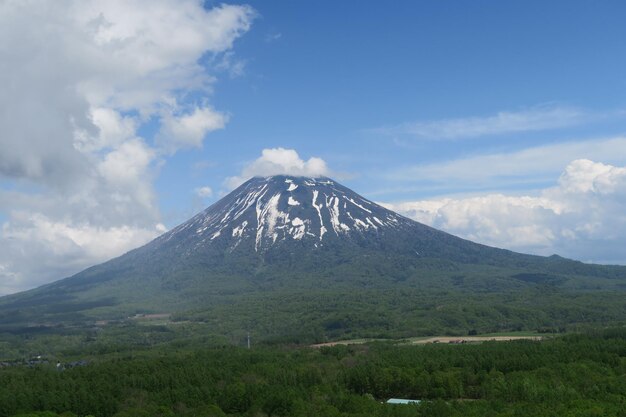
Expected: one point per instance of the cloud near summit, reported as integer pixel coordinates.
(277, 161)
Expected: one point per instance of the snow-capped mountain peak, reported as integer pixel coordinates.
(277, 209)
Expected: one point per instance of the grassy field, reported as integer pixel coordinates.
(494, 337)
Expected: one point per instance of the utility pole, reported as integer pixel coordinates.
(248, 340)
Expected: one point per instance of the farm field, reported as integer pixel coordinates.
(493, 337)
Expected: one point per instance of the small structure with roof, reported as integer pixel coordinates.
(402, 401)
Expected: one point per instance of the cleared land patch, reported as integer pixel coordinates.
(437, 339)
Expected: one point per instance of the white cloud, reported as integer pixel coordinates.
(204, 192)
(540, 162)
(65, 61)
(582, 217)
(533, 119)
(79, 80)
(277, 161)
(189, 130)
(127, 171)
(56, 247)
(584, 176)
(139, 53)
(112, 130)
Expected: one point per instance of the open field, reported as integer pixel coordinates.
(471, 339)
(505, 337)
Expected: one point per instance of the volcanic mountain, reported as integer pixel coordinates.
(286, 246)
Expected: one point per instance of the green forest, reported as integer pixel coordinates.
(573, 375)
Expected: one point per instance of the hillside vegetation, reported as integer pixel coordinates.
(307, 260)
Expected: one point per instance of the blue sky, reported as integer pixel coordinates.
(501, 122)
(322, 77)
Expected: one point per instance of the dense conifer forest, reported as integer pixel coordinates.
(572, 375)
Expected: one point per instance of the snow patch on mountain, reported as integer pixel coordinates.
(266, 212)
(238, 231)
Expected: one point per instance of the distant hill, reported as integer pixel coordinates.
(295, 257)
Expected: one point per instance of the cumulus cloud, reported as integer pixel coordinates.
(64, 61)
(534, 119)
(189, 130)
(80, 79)
(278, 161)
(56, 246)
(112, 130)
(581, 217)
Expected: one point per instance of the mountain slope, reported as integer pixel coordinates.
(310, 239)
